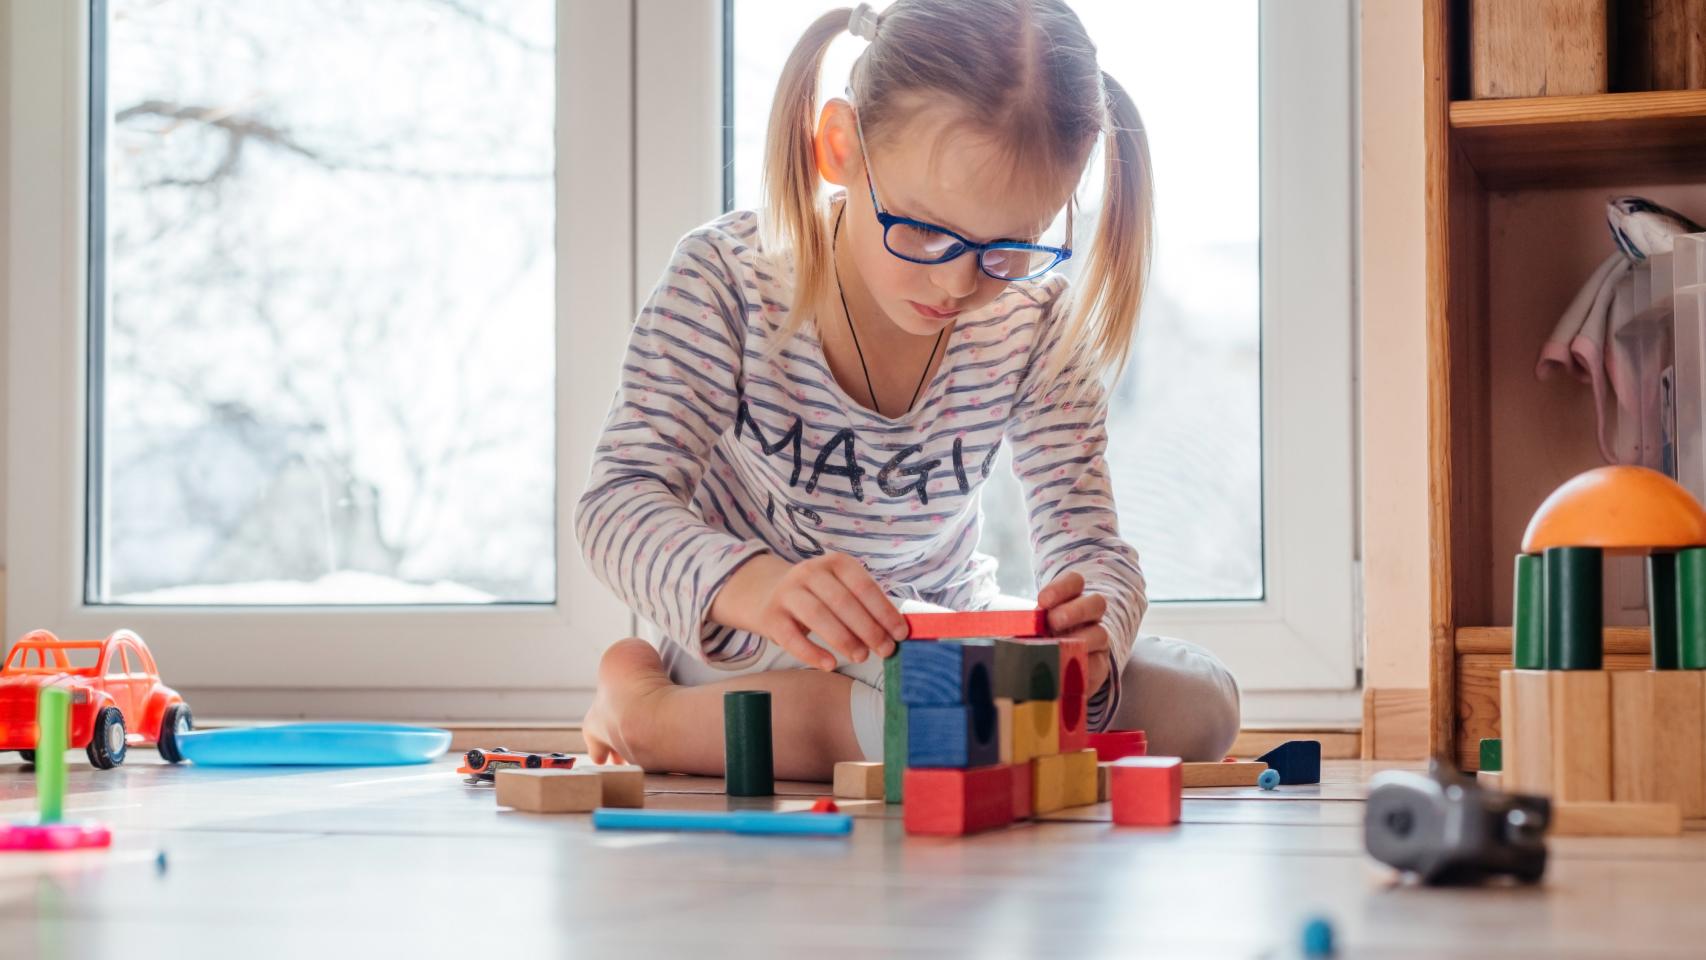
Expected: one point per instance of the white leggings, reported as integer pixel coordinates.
(1179, 694)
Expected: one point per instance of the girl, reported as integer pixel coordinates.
(807, 411)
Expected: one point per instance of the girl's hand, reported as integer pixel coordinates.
(833, 596)
(1072, 613)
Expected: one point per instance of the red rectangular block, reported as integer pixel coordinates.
(1021, 774)
(952, 803)
(1114, 744)
(1145, 791)
(1074, 695)
(976, 623)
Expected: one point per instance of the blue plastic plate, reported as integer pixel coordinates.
(314, 744)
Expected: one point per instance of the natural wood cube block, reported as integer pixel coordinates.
(1525, 730)
(1658, 738)
(1102, 771)
(858, 780)
(624, 786)
(1581, 735)
(550, 791)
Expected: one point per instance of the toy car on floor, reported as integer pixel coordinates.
(116, 701)
(482, 766)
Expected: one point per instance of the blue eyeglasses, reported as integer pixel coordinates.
(918, 242)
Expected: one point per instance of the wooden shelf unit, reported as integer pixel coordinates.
(1514, 190)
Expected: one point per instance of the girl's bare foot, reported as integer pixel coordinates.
(631, 681)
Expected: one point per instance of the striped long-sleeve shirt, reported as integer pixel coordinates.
(718, 448)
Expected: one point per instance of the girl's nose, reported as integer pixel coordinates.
(957, 278)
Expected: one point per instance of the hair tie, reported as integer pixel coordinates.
(862, 22)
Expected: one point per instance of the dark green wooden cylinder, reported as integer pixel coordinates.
(894, 729)
(1528, 614)
(1691, 608)
(747, 762)
(1575, 620)
(1661, 609)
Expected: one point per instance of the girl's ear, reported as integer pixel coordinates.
(836, 145)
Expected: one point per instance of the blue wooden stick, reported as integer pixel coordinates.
(733, 821)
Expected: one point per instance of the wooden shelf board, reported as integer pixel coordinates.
(1618, 640)
(1583, 141)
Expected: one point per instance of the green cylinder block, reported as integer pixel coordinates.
(894, 729)
(1691, 608)
(1661, 609)
(1575, 621)
(747, 759)
(53, 715)
(1528, 616)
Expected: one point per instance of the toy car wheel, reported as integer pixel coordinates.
(533, 761)
(175, 722)
(476, 760)
(107, 744)
(28, 755)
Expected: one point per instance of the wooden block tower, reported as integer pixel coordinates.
(979, 727)
(1624, 741)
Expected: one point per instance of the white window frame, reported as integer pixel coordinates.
(1295, 652)
(488, 662)
(647, 75)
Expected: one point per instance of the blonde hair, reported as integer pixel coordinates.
(1023, 74)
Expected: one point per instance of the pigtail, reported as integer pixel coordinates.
(794, 220)
(1109, 294)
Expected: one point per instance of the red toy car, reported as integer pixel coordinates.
(481, 766)
(116, 702)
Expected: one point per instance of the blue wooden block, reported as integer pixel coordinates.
(941, 673)
(952, 736)
(1298, 761)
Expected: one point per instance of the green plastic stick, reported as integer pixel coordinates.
(1575, 621)
(53, 710)
(1661, 609)
(1528, 618)
(1691, 608)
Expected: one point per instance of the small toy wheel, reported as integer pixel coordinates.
(107, 743)
(476, 759)
(1268, 780)
(28, 755)
(533, 761)
(175, 722)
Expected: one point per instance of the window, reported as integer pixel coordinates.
(319, 318)
(1240, 549)
(116, 665)
(323, 277)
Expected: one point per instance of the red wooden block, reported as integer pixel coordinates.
(1146, 791)
(825, 805)
(1228, 759)
(952, 803)
(976, 623)
(1114, 744)
(1074, 695)
(1021, 773)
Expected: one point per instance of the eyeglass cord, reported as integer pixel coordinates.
(834, 240)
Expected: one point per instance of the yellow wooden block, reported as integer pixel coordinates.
(1525, 731)
(1004, 727)
(1036, 730)
(1615, 820)
(859, 780)
(550, 791)
(1581, 735)
(1658, 738)
(1080, 778)
(624, 786)
(1241, 774)
(1048, 781)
